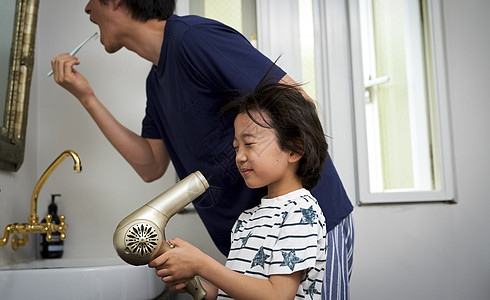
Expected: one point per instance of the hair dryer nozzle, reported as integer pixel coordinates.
(140, 237)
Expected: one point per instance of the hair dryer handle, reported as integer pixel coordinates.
(196, 290)
(194, 287)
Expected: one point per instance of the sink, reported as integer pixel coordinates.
(79, 279)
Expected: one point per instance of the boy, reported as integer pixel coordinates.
(278, 248)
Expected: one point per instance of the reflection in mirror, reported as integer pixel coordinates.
(18, 20)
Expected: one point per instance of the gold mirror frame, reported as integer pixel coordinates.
(13, 133)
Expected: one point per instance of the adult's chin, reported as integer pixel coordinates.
(110, 49)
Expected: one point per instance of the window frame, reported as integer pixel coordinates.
(436, 36)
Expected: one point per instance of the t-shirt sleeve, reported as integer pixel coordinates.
(296, 248)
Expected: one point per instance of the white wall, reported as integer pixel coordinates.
(440, 251)
(425, 251)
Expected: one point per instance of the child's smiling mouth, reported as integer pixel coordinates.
(245, 171)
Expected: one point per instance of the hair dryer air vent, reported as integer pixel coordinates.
(141, 240)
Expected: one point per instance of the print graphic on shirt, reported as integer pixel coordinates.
(284, 215)
(290, 259)
(245, 239)
(309, 216)
(312, 290)
(260, 258)
(239, 225)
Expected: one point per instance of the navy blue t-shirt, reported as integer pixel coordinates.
(204, 64)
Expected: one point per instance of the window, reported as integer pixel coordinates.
(286, 30)
(377, 71)
(403, 146)
(307, 42)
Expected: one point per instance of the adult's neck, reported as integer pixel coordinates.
(146, 38)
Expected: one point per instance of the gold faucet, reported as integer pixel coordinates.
(33, 225)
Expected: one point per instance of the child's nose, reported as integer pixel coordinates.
(240, 156)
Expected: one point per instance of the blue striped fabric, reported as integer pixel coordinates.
(338, 269)
(281, 236)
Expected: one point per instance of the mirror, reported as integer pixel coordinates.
(18, 21)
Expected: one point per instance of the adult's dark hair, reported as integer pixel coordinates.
(283, 108)
(144, 10)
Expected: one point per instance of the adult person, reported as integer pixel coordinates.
(198, 66)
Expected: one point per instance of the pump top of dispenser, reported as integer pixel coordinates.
(53, 208)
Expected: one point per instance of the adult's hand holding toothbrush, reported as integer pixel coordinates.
(69, 78)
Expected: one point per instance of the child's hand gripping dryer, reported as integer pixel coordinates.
(140, 237)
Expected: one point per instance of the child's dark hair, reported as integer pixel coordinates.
(144, 10)
(283, 108)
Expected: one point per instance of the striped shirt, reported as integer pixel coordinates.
(282, 235)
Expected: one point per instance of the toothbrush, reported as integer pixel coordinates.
(75, 51)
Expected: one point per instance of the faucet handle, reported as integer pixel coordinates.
(47, 227)
(62, 227)
(48, 218)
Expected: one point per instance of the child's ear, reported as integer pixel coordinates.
(294, 157)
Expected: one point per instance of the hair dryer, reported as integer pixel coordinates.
(140, 237)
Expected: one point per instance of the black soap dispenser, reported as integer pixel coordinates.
(54, 248)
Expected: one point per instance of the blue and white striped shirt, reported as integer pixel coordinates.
(282, 235)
